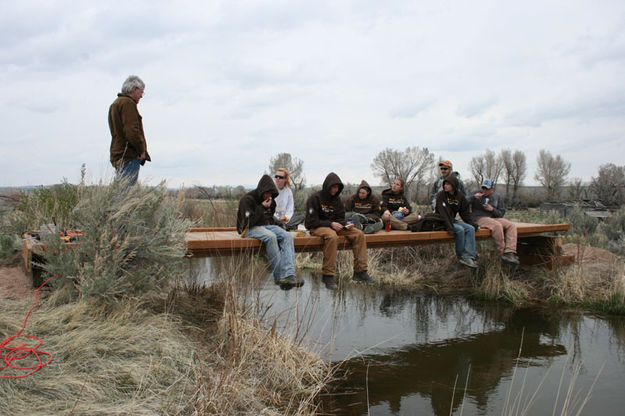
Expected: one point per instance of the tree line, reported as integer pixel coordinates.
(418, 167)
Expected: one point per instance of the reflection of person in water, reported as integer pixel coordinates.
(431, 369)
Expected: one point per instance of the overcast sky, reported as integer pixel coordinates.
(231, 83)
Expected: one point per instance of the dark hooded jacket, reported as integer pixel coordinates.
(251, 210)
(393, 201)
(322, 208)
(126, 125)
(369, 206)
(450, 204)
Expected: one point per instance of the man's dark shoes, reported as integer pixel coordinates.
(510, 258)
(362, 277)
(469, 262)
(292, 280)
(329, 281)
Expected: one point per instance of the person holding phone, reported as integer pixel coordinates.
(325, 218)
(255, 219)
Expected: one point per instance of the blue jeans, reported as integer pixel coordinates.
(129, 173)
(465, 240)
(279, 247)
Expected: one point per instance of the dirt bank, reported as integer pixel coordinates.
(14, 284)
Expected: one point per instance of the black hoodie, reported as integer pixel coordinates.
(251, 211)
(393, 201)
(450, 204)
(369, 206)
(322, 208)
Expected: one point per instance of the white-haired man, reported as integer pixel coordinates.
(129, 150)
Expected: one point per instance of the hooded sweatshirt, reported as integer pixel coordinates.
(438, 186)
(251, 211)
(322, 208)
(126, 125)
(448, 204)
(369, 206)
(393, 201)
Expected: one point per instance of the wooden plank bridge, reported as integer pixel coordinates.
(537, 243)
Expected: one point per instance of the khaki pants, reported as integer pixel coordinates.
(330, 247)
(502, 231)
(404, 222)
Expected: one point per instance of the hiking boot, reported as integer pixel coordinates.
(362, 277)
(371, 229)
(510, 258)
(468, 262)
(289, 280)
(299, 282)
(329, 281)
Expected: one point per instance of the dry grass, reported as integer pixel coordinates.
(128, 362)
(201, 351)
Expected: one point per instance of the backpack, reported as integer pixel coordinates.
(429, 222)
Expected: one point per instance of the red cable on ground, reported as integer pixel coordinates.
(23, 351)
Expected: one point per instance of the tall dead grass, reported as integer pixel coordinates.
(127, 362)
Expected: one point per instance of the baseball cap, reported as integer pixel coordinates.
(445, 163)
(488, 183)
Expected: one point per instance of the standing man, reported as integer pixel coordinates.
(488, 211)
(364, 209)
(255, 220)
(129, 150)
(446, 169)
(325, 218)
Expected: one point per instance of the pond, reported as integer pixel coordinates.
(408, 354)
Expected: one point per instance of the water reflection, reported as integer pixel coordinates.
(404, 353)
(430, 369)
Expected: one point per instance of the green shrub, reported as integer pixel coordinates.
(133, 244)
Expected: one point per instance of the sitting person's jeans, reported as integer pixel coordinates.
(465, 240)
(279, 247)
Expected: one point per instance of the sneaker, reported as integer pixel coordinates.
(371, 229)
(329, 281)
(362, 277)
(289, 280)
(510, 258)
(468, 262)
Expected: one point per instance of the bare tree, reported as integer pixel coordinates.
(295, 167)
(609, 185)
(551, 172)
(576, 188)
(486, 165)
(411, 166)
(519, 172)
(514, 168)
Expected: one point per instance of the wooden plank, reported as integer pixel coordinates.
(226, 241)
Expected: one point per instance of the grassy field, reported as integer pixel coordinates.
(128, 337)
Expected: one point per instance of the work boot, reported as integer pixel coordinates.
(362, 277)
(289, 280)
(510, 258)
(466, 261)
(329, 281)
(299, 282)
(372, 228)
